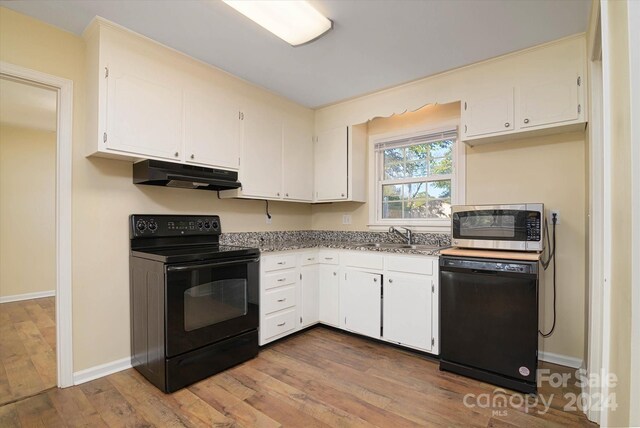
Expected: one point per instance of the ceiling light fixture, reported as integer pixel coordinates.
(295, 22)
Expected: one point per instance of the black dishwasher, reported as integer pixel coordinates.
(489, 320)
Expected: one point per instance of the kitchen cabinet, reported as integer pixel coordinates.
(549, 98)
(408, 303)
(489, 112)
(360, 301)
(339, 164)
(211, 130)
(310, 290)
(279, 283)
(329, 295)
(297, 162)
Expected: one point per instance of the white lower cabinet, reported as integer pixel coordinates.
(329, 294)
(407, 309)
(360, 294)
(390, 297)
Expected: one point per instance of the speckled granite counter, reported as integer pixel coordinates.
(301, 239)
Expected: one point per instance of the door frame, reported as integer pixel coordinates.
(64, 89)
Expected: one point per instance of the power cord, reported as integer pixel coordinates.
(545, 265)
(267, 209)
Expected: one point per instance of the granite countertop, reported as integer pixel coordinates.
(427, 244)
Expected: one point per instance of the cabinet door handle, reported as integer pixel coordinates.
(278, 194)
(286, 194)
(281, 324)
(334, 274)
(176, 154)
(282, 300)
(390, 281)
(507, 124)
(193, 156)
(375, 279)
(282, 263)
(342, 195)
(310, 259)
(526, 121)
(282, 279)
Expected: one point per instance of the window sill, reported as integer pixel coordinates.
(414, 228)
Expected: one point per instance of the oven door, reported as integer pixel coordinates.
(505, 227)
(209, 301)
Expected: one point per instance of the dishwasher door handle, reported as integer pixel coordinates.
(485, 272)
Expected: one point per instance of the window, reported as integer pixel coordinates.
(416, 178)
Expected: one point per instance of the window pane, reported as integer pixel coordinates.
(392, 192)
(441, 149)
(439, 208)
(391, 155)
(415, 191)
(440, 166)
(416, 169)
(392, 210)
(394, 170)
(415, 208)
(439, 189)
(417, 152)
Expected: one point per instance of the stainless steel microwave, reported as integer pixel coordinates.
(517, 227)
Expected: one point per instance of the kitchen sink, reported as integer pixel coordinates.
(398, 246)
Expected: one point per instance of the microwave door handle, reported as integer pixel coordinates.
(212, 264)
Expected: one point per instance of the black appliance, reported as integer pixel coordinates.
(194, 302)
(489, 320)
(169, 174)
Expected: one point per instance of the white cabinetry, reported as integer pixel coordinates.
(261, 160)
(339, 156)
(489, 112)
(310, 293)
(279, 281)
(360, 295)
(549, 98)
(329, 292)
(297, 162)
(211, 130)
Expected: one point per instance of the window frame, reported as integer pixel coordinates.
(376, 172)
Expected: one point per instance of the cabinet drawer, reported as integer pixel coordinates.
(283, 261)
(364, 260)
(278, 279)
(278, 299)
(329, 257)
(280, 323)
(408, 264)
(307, 259)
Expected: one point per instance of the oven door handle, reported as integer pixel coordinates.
(212, 264)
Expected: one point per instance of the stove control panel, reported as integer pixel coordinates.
(156, 226)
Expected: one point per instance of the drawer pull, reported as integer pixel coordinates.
(310, 259)
(282, 324)
(328, 258)
(282, 263)
(282, 300)
(282, 279)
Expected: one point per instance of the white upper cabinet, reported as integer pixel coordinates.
(488, 112)
(331, 154)
(339, 164)
(261, 159)
(549, 99)
(211, 130)
(297, 161)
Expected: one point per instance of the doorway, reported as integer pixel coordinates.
(28, 147)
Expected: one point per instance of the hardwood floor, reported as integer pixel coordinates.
(320, 378)
(27, 348)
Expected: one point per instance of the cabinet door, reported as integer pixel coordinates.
(331, 165)
(297, 159)
(144, 113)
(488, 112)
(408, 310)
(549, 99)
(212, 130)
(310, 307)
(329, 295)
(261, 160)
(360, 302)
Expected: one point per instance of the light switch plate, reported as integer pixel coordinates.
(346, 219)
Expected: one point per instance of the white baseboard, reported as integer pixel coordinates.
(27, 296)
(102, 370)
(562, 360)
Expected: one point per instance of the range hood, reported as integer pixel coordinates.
(159, 173)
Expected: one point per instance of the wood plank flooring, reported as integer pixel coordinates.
(319, 378)
(27, 348)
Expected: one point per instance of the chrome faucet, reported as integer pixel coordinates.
(407, 235)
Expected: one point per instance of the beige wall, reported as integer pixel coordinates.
(27, 211)
(617, 51)
(104, 196)
(543, 169)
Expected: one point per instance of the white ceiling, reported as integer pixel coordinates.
(374, 44)
(27, 106)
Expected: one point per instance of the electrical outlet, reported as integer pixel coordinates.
(346, 219)
(557, 213)
(267, 219)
